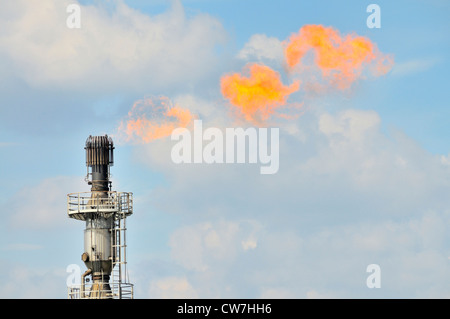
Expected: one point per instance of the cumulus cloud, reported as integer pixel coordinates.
(339, 155)
(277, 293)
(23, 281)
(346, 195)
(350, 124)
(313, 294)
(172, 288)
(43, 206)
(119, 48)
(206, 245)
(260, 47)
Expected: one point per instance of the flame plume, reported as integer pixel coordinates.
(258, 94)
(151, 119)
(340, 58)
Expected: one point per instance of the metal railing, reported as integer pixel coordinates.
(106, 203)
(117, 291)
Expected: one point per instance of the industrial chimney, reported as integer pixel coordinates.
(104, 212)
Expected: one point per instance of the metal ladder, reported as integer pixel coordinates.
(119, 262)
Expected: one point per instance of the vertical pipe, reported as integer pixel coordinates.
(82, 288)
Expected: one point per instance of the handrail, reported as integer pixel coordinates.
(110, 202)
(119, 290)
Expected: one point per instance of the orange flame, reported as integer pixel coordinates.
(258, 94)
(148, 120)
(341, 58)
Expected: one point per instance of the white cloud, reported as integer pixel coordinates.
(445, 159)
(249, 243)
(346, 195)
(328, 263)
(172, 288)
(351, 124)
(203, 246)
(25, 281)
(414, 66)
(212, 113)
(277, 293)
(43, 206)
(261, 47)
(123, 48)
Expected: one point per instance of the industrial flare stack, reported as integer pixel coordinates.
(105, 212)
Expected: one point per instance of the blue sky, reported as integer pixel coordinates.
(346, 196)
